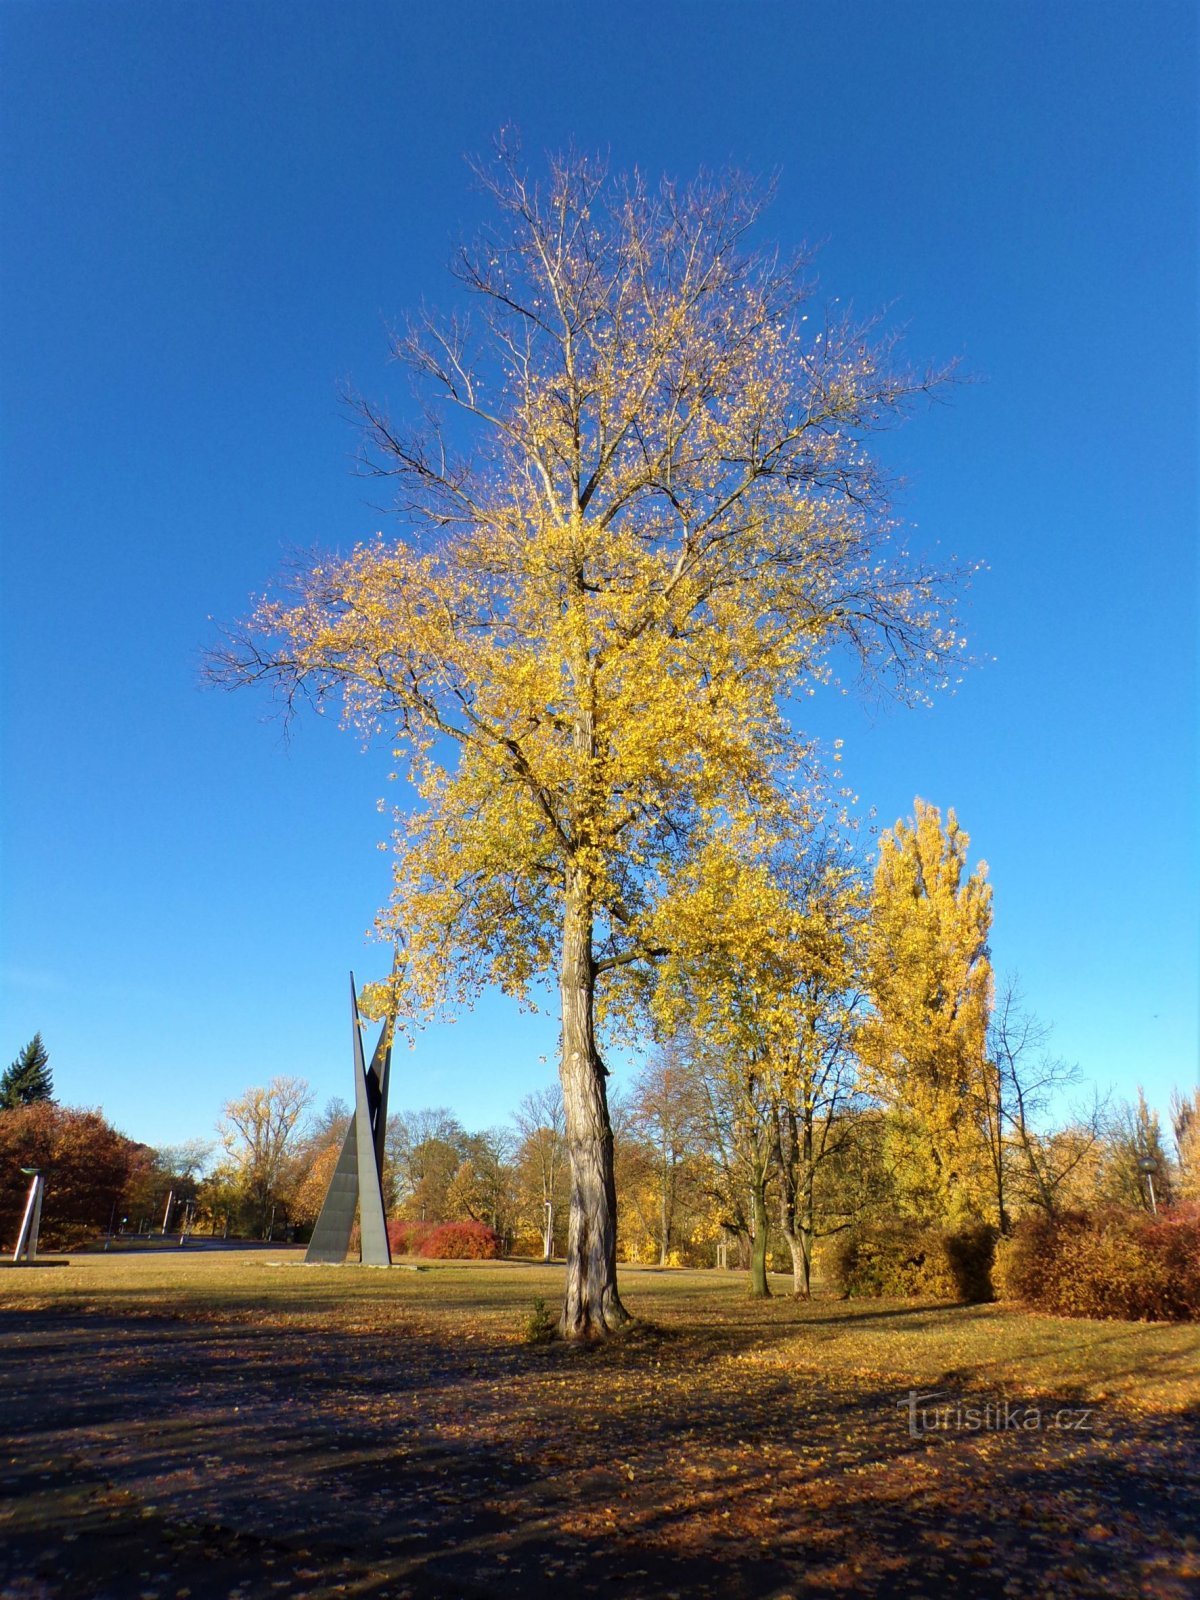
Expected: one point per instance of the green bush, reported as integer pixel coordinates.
(1121, 1264)
(909, 1258)
(539, 1325)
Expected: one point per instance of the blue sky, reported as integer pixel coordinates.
(211, 214)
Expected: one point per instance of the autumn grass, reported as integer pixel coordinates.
(899, 1342)
(227, 1421)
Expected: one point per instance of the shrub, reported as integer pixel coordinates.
(1173, 1238)
(1121, 1264)
(460, 1241)
(1024, 1263)
(538, 1326)
(910, 1258)
(405, 1238)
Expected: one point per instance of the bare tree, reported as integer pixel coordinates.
(665, 1112)
(1023, 1083)
(259, 1133)
(541, 1122)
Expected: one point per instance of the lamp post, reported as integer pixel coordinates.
(1149, 1166)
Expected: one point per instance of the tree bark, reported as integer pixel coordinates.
(794, 1159)
(806, 1223)
(664, 1211)
(760, 1289)
(592, 1308)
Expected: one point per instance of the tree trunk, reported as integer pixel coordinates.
(760, 1289)
(799, 1236)
(806, 1223)
(591, 1308)
(795, 1181)
(796, 1250)
(664, 1213)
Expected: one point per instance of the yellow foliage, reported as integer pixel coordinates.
(578, 645)
(930, 981)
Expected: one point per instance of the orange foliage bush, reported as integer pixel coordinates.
(460, 1241)
(1121, 1264)
(405, 1238)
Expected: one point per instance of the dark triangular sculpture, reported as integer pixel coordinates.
(357, 1182)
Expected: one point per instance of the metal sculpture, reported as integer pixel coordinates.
(27, 1239)
(357, 1182)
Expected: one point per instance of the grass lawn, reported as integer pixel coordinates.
(202, 1424)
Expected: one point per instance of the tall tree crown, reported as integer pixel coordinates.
(663, 521)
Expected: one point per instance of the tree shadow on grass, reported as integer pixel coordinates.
(154, 1454)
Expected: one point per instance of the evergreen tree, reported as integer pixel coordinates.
(28, 1080)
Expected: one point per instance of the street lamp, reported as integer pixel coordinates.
(1149, 1165)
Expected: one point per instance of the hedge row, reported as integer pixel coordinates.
(902, 1259)
(443, 1241)
(1114, 1264)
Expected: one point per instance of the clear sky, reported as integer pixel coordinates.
(211, 213)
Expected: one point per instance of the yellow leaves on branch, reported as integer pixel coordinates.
(762, 961)
(666, 525)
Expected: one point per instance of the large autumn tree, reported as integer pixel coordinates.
(91, 1170)
(260, 1133)
(636, 508)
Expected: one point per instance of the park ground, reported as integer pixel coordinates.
(186, 1426)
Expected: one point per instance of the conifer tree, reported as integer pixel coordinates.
(28, 1079)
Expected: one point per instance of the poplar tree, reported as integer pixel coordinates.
(929, 978)
(636, 514)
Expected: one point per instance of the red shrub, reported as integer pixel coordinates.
(1114, 1264)
(461, 1241)
(406, 1238)
(1174, 1238)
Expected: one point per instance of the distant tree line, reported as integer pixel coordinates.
(825, 1049)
